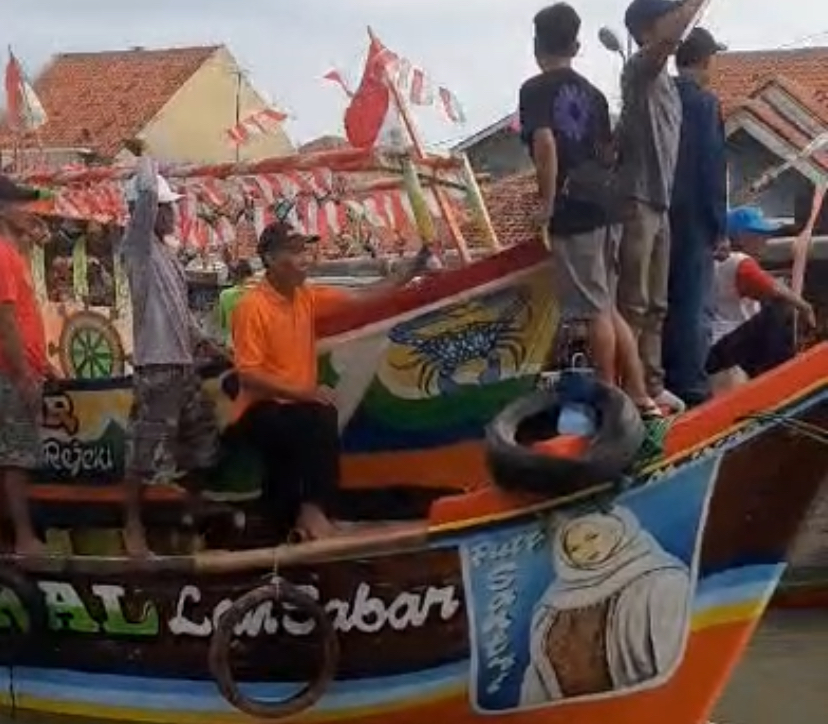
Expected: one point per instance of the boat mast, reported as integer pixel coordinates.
(420, 153)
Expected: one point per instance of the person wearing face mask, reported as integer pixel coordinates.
(172, 425)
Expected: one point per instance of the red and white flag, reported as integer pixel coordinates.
(24, 110)
(451, 106)
(422, 91)
(336, 76)
(256, 124)
(372, 117)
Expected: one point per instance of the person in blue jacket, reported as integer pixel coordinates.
(698, 220)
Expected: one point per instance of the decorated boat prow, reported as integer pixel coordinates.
(623, 595)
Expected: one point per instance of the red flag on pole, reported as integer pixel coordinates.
(335, 76)
(24, 109)
(371, 103)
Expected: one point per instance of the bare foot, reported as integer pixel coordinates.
(135, 543)
(315, 523)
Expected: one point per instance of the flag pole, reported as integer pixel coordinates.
(420, 153)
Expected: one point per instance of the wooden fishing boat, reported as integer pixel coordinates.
(669, 572)
(669, 569)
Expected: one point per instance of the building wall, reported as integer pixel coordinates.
(191, 127)
(747, 159)
(501, 154)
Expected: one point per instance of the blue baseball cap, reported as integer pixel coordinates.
(749, 220)
(642, 13)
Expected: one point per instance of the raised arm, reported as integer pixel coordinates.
(667, 34)
(140, 231)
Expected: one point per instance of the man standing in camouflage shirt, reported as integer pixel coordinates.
(172, 426)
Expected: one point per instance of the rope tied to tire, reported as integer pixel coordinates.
(279, 593)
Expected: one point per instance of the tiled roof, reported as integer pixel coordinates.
(95, 100)
(766, 115)
(738, 74)
(512, 201)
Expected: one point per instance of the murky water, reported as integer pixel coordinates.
(783, 680)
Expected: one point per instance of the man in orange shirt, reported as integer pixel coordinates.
(287, 417)
(23, 362)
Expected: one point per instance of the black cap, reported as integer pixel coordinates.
(10, 192)
(643, 13)
(697, 47)
(281, 235)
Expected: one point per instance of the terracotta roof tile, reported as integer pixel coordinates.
(737, 75)
(95, 100)
(769, 117)
(512, 201)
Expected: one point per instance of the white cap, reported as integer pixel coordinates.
(165, 194)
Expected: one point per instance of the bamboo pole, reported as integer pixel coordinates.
(478, 205)
(802, 244)
(419, 149)
(419, 206)
(343, 160)
(359, 544)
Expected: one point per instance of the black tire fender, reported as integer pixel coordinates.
(279, 592)
(612, 449)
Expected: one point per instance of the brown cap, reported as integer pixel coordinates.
(280, 235)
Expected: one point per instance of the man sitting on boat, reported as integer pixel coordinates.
(288, 418)
(23, 362)
(565, 123)
(753, 313)
(648, 143)
(172, 426)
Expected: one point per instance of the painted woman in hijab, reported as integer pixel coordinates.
(615, 616)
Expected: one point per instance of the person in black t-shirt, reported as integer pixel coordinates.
(565, 124)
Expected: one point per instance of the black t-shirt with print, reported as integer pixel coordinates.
(577, 113)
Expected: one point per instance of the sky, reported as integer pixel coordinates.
(480, 49)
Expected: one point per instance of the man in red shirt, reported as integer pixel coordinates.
(23, 363)
(752, 320)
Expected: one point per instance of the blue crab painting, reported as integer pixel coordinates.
(446, 342)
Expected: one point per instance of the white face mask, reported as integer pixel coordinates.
(172, 242)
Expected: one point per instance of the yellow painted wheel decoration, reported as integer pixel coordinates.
(90, 347)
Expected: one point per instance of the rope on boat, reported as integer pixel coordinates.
(806, 429)
(278, 593)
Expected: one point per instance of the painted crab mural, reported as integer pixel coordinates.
(478, 342)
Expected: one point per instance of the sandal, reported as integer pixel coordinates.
(650, 410)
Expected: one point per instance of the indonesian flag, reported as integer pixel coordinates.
(422, 92)
(256, 124)
(372, 113)
(451, 106)
(336, 76)
(24, 109)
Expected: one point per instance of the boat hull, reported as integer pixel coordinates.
(475, 623)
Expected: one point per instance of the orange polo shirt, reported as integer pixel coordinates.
(277, 335)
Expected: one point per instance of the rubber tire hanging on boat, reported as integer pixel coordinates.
(279, 592)
(34, 605)
(611, 451)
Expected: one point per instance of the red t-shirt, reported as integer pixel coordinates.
(16, 289)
